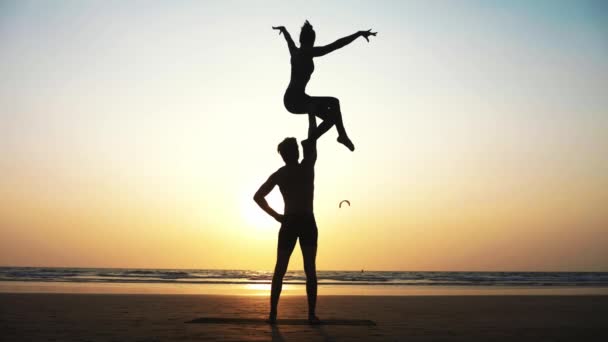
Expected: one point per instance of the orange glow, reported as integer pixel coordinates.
(136, 137)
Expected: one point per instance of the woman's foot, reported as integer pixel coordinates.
(344, 140)
(313, 320)
(272, 318)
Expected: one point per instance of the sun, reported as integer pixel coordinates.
(255, 217)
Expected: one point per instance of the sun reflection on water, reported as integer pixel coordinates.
(259, 287)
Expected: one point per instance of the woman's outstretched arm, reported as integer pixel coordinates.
(342, 42)
(290, 43)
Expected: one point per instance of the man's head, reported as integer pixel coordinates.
(307, 35)
(288, 149)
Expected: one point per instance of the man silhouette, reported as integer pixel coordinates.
(296, 183)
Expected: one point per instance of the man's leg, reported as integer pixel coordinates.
(309, 252)
(277, 280)
(287, 242)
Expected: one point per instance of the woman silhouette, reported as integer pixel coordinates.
(296, 100)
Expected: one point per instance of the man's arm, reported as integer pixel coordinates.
(310, 144)
(290, 43)
(340, 43)
(260, 197)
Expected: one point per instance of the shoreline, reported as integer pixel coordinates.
(292, 289)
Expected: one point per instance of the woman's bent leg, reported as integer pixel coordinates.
(328, 109)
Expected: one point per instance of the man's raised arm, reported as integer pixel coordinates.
(310, 144)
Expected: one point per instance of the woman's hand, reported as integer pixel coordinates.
(366, 34)
(280, 28)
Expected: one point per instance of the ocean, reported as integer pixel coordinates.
(334, 278)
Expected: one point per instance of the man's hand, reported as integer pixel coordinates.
(281, 29)
(280, 218)
(366, 34)
(260, 197)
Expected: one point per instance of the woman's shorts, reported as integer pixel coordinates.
(296, 101)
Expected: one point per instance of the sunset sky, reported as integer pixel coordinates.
(135, 133)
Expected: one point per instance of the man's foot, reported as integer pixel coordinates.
(272, 318)
(344, 140)
(313, 320)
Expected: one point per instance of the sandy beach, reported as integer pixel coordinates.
(128, 317)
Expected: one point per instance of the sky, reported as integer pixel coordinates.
(135, 133)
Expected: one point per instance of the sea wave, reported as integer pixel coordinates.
(393, 278)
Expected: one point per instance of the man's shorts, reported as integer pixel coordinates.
(298, 226)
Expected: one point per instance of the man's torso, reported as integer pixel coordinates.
(296, 183)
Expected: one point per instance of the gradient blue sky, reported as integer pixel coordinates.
(141, 129)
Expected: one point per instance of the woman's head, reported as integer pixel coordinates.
(307, 35)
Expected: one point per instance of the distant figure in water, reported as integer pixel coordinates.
(296, 100)
(296, 182)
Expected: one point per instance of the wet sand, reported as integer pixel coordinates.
(129, 317)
